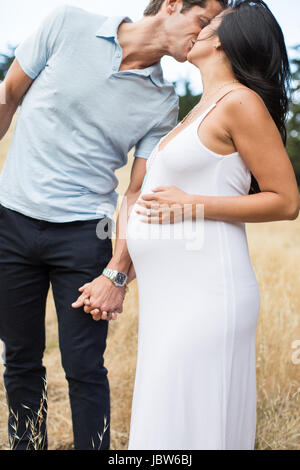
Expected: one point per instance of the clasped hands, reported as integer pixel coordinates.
(101, 299)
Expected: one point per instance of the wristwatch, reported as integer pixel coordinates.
(117, 277)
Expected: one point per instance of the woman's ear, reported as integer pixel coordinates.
(218, 45)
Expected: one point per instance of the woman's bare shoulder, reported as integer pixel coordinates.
(244, 102)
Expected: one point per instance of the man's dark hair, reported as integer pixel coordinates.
(155, 5)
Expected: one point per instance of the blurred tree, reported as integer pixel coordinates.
(293, 125)
(186, 100)
(6, 60)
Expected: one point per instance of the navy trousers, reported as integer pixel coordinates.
(33, 255)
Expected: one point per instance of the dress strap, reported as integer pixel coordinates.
(203, 116)
(208, 111)
(228, 92)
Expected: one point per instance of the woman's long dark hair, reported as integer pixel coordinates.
(254, 43)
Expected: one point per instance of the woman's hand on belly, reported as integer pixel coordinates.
(167, 204)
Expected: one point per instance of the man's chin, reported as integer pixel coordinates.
(182, 58)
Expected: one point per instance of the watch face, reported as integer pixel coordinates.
(120, 279)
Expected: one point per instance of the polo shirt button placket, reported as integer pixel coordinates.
(116, 65)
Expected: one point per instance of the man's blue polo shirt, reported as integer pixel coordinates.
(80, 118)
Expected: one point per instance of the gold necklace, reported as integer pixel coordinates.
(217, 89)
(192, 112)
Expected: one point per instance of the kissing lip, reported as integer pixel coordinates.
(191, 44)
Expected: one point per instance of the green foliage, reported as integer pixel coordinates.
(187, 101)
(293, 126)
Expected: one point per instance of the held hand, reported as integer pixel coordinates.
(168, 205)
(97, 314)
(85, 295)
(102, 298)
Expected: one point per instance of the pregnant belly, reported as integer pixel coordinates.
(152, 239)
(204, 252)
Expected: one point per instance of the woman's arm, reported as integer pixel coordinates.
(258, 141)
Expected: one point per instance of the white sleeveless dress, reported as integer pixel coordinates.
(195, 384)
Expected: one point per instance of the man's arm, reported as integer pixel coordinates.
(101, 293)
(12, 90)
(121, 259)
(31, 57)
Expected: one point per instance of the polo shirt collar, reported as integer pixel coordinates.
(110, 26)
(109, 30)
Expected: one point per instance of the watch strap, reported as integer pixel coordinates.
(112, 274)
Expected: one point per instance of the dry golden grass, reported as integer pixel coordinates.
(275, 253)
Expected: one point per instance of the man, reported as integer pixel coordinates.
(93, 89)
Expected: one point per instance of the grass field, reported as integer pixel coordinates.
(275, 253)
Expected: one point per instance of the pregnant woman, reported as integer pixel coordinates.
(195, 385)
